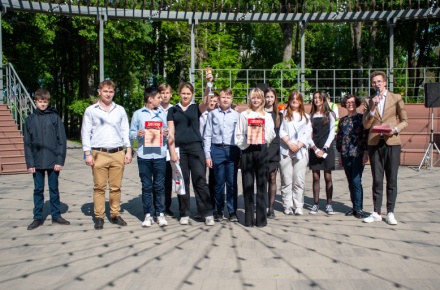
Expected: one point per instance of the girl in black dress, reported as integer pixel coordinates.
(321, 158)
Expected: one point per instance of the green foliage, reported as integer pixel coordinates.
(78, 107)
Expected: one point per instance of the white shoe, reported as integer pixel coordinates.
(373, 217)
(390, 219)
(299, 211)
(288, 211)
(148, 221)
(161, 220)
(184, 220)
(314, 209)
(329, 209)
(209, 220)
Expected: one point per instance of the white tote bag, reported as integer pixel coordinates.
(178, 183)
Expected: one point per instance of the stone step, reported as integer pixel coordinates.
(413, 157)
(13, 167)
(11, 153)
(10, 139)
(10, 133)
(5, 112)
(422, 125)
(417, 140)
(12, 146)
(10, 126)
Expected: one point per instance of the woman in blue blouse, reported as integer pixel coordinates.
(351, 143)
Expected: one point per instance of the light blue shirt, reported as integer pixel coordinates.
(220, 129)
(138, 123)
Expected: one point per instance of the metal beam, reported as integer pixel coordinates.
(208, 16)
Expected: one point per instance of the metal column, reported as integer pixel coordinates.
(2, 10)
(391, 24)
(101, 18)
(303, 25)
(192, 73)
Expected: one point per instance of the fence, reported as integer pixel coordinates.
(409, 82)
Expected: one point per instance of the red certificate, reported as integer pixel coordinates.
(153, 134)
(381, 129)
(255, 131)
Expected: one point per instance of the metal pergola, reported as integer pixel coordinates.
(175, 10)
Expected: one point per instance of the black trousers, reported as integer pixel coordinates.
(192, 163)
(255, 165)
(384, 159)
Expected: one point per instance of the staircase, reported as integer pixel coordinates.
(11, 144)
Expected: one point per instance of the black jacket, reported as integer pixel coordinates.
(44, 139)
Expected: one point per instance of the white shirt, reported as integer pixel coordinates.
(241, 128)
(101, 129)
(298, 130)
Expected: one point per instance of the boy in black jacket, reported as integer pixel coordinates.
(45, 151)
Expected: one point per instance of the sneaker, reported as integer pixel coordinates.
(169, 213)
(288, 211)
(314, 209)
(209, 220)
(233, 217)
(184, 220)
(373, 217)
(218, 216)
(161, 220)
(148, 221)
(359, 214)
(329, 209)
(299, 211)
(391, 220)
(270, 214)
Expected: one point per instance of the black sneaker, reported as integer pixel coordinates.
(218, 216)
(35, 224)
(233, 217)
(270, 214)
(359, 214)
(60, 221)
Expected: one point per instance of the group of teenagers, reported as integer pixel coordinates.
(214, 136)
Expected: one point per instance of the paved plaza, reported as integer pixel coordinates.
(292, 252)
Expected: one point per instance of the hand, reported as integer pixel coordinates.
(173, 157)
(31, 170)
(209, 162)
(141, 133)
(209, 77)
(340, 162)
(389, 133)
(57, 167)
(89, 160)
(319, 154)
(128, 157)
(165, 132)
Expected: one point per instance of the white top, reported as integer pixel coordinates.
(108, 129)
(298, 130)
(241, 128)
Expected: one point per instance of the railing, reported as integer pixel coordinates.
(17, 97)
(409, 82)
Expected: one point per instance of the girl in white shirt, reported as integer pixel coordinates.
(254, 158)
(295, 133)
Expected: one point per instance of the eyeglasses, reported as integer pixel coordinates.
(350, 103)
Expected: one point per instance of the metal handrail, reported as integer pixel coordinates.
(17, 97)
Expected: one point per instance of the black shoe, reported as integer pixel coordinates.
(169, 213)
(119, 221)
(99, 224)
(60, 221)
(359, 214)
(270, 214)
(349, 213)
(35, 224)
(233, 217)
(218, 216)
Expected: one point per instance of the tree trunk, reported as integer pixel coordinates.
(287, 29)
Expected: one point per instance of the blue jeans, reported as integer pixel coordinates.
(354, 168)
(225, 161)
(152, 173)
(54, 194)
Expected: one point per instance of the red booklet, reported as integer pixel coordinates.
(153, 134)
(381, 129)
(255, 131)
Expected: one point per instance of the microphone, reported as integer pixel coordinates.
(377, 94)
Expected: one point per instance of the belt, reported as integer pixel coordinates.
(222, 145)
(109, 150)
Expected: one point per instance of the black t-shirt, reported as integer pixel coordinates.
(186, 124)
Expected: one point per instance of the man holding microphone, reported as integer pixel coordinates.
(386, 117)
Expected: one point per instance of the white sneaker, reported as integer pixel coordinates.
(209, 220)
(314, 209)
(161, 220)
(288, 211)
(184, 220)
(373, 217)
(299, 211)
(390, 219)
(329, 209)
(148, 221)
